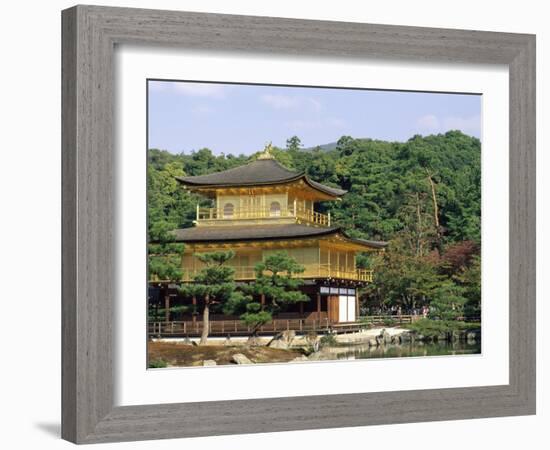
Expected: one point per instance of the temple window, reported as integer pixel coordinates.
(228, 209)
(275, 209)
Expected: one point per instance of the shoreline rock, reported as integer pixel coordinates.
(283, 340)
(239, 358)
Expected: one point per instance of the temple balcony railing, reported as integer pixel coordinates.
(312, 271)
(218, 216)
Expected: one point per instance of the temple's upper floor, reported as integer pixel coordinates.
(262, 191)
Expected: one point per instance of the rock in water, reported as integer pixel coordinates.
(396, 339)
(315, 356)
(239, 358)
(471, 336)
(209, 362)
(383, 338)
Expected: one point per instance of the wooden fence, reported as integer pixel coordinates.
(390, 320)
(237, 327)
(234, 327)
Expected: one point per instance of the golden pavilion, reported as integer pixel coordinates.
(261, 208)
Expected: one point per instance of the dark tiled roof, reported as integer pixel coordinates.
(375, 244)
(261, 232)
(259, 171)
(255, 173)
(328, 189)
(253, 232)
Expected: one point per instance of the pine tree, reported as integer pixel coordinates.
(214, 284)
(293, 143)
(276, 284)
(164, 264)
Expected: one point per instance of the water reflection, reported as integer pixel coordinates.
(403, 350)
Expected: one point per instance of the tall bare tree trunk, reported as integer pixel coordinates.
(205, 320)
(419, 230)
(436, 211)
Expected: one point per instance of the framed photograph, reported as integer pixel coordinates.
(273, 216)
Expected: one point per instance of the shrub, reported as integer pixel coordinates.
(431, 328)
(328, 340)
(157, 364)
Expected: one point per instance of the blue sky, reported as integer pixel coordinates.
(187, 116)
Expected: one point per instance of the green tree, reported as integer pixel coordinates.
(418, 228)
(276, 283)
(447, 303)
(167, 204)
(470, 279)
(214, 284)
(164, 261)
(446, 308)
(380, 178)
(402, 279)
(422, 195)
(164, 264)
(293, 143)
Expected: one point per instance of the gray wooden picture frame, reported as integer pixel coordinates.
(89, 35)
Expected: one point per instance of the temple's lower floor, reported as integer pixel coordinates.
(329, 301)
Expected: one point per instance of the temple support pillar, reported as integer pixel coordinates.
(167, 308)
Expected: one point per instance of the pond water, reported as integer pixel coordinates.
(404, 350)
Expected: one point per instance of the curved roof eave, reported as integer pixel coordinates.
(323, 188)
(328, 190)
(193, 235)
(369, 243)
(186, 180)
(258, 232)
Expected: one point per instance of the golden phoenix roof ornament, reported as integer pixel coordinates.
(266, 154)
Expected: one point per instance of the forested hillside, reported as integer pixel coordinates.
(423, 196)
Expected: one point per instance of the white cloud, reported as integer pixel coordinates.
(428, 122)
(465, 124)
(432, 123)
(280, 101)
(200, 89)
(315, 104)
